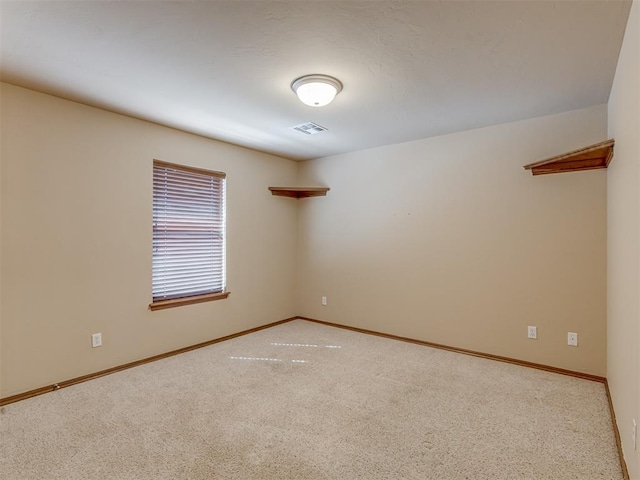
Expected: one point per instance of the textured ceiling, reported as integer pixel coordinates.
(410, 70)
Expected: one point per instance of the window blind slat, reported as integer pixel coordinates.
(188, 232)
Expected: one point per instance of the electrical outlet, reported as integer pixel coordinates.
(572, 339)
(96, 340)
(324, 300)
(532, 332)
(634, 433)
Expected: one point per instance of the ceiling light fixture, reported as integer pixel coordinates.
(316, 90)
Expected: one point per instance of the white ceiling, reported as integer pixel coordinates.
(410, 70)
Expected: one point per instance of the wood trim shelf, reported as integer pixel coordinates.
(299, 192)
(589, 158)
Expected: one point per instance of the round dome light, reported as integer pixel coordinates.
(316, 90)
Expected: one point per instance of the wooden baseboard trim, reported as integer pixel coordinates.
(623, 464)
(538, 366)
(522, 363)
(119, 368)
(101, 373)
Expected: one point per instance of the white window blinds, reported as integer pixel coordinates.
(188, 231)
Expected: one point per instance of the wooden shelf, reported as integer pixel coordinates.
(589, 158)
(299, 192)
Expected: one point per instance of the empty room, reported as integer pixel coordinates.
(309, 239)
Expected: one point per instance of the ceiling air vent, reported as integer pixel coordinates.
(309, 128)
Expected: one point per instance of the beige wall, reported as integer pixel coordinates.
(445, 239)
(623, 259)
(76, 240)
(449, 240)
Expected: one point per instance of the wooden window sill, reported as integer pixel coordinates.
(178, 302)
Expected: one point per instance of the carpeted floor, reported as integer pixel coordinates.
(308, 401)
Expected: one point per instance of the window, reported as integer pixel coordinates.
(188, 235)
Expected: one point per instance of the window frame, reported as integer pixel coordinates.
(189, 299)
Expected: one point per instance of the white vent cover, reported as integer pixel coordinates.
(309, 128)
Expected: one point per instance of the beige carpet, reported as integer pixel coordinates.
(308, 401)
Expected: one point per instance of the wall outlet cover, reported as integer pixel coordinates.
(532, 332)
(572, 339)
